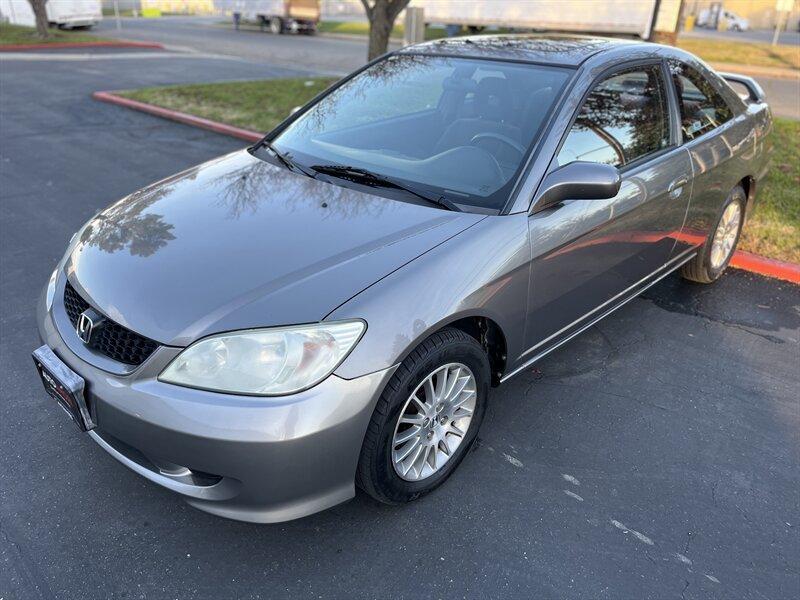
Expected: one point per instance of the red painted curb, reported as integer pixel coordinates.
(237, 132)
(766, 266)
(97, 44)
(741, 260)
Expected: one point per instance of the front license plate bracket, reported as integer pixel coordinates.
(64, 385)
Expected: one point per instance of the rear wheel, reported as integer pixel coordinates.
(716, 253)
(426, 419)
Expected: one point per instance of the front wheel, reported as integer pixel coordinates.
(716, 253)
(426, 419)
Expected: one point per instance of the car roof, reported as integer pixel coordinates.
(552, 49)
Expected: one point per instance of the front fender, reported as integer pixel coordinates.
(483, 271)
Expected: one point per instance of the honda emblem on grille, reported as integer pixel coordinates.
(89, 321)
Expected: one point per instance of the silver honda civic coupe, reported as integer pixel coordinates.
(330, 307)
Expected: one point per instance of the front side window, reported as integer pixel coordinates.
(455, 127)
(702, 107)
(622, 120)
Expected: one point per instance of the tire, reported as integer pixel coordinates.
(701, 269)
(449, 348)
(276, 25)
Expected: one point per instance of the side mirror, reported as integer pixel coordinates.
(578, 181)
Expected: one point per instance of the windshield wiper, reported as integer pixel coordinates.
(287, 162)
(367, 177)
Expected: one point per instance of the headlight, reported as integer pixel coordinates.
(51, 289)
(265, 362)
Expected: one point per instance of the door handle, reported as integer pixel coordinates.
(676, 187)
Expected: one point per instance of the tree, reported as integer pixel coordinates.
(381, 15)
(40, 11)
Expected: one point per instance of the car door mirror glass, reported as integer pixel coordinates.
(578, 181)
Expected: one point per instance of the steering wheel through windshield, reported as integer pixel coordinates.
(499, 137)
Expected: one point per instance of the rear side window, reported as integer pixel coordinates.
(702, 107)
(622, 120)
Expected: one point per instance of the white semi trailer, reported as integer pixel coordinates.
(278, 16)
(66, 14)
(613, 17)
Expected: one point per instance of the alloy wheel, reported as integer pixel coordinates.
(725, 235)
(434, 421)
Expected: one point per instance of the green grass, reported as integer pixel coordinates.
(772, 231)
(743, 53)
(355, 28)
(18, 34)
(352, 28)
(256, 105)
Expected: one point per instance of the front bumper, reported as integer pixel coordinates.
(252, 459)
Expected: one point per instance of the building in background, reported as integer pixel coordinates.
(178, 7)
(124, 6)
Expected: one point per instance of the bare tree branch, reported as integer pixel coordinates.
(367, 8)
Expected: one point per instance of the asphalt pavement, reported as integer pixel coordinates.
(331, 56)
(655, 456)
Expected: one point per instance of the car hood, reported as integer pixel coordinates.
(238, 243)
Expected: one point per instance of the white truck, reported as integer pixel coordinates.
(277, 16)
(617, 17)
(66, 14)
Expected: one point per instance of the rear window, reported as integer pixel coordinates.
(701, 105)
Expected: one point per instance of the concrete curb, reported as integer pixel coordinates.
(98, 44)
(165, 113)
(741, 260)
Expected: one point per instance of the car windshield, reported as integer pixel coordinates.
(447, 127)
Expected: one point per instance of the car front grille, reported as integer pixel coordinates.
(112, 339)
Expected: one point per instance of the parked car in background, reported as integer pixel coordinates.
(721, 18)
(66, 14)
(277, 16)
(330, 307)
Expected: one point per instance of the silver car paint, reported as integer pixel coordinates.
(573, 259)
(279, 458)
(239, 243)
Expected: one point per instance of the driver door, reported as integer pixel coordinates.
(589, 255)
